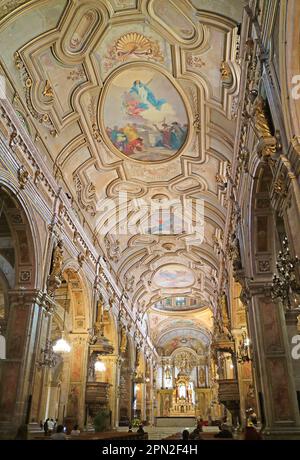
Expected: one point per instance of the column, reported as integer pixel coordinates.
(112, 365)
(277, 393)
(76, 392)
(17, 375)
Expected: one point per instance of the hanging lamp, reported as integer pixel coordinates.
(61, 345)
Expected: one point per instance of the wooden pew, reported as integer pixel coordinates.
(91, 436)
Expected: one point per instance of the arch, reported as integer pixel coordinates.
(266, 315)
(289, 48)
(262, 224)
(24, 215)
(20, 274)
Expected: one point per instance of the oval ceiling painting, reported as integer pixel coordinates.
(174, 276)
(144, 115)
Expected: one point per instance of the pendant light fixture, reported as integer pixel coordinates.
(99, 365)
(61, 345)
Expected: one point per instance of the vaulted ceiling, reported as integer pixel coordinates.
(87, 77)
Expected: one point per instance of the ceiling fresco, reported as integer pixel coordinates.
(132, 105)
(178, 304)
(149, 120)
(174, 276)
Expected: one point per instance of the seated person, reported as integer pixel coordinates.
(75, 431)
(185, 435)
(140, 429)
(200, 424)
(195, 434)
(225, 432)
(59, 435)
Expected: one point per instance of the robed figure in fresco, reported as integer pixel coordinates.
(145, 95)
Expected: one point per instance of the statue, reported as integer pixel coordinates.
(224, 310)
(123, 344)
(138, 357)
(268, 143)
(261, 122)
(73, 401)
(99, 310)
(55, 277)
(98, 326)
(202, 376)
(57, 260)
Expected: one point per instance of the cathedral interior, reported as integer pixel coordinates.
(148, 258)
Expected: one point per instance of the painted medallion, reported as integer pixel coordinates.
(144, 115)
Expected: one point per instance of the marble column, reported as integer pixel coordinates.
(78, 358)
(277, 393)
(17, 375)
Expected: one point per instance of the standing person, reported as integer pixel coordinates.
(200, 424)
(51, 426)
(140, 429)
(46, 427)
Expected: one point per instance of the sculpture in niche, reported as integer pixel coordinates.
(123, 344)
(268, 143)
(144, 116)
(137, 357)
(55, 277)
(202, 376)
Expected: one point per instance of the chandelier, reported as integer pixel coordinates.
(61, 345)
(284, 283)
(99, 365)
(243, 353)
(48, 356)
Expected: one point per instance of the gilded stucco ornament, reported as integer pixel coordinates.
(226, 74)
(23, 177)
(267, 146)
(42, 118)
(123, 344)
(48, 91)
(134, 44)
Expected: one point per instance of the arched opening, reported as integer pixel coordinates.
(59, 388)
(267, 316)
(17, 309)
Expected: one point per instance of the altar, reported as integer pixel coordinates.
(183, 397)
